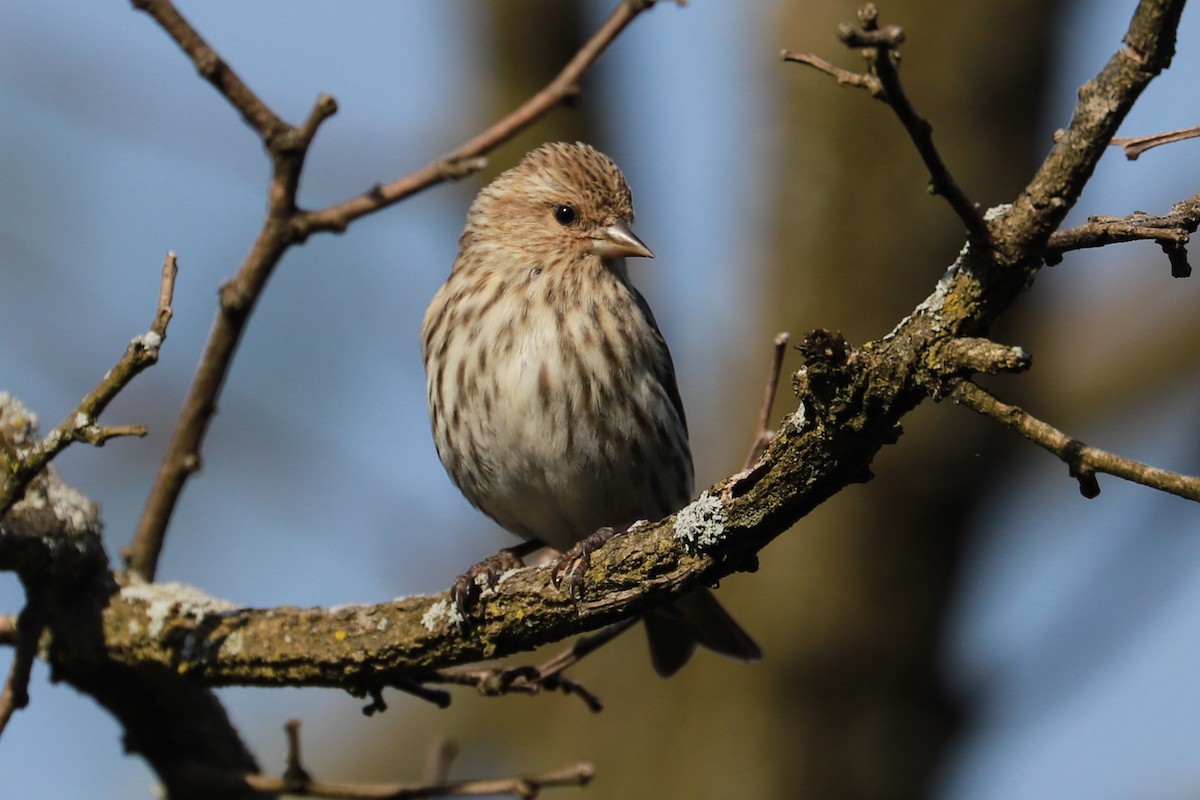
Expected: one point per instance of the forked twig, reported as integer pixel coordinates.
(81, 424)
(883, 83)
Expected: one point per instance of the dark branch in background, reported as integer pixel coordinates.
(287, 225)
(1083, 461)
(883, 82)
(81, 424)
(1134, 146)
(296, 781)
(1170, 231)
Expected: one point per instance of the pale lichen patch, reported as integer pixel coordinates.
(701, 524)
(163, 601)
(441, 614)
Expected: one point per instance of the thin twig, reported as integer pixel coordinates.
(296, 781)
(80, 425)
(1083, 461)
(1134, 146)
(763, 432)
(883, 83)
(287, 225)
(523, 786)
(8, 629)
(844, 77)
(530, 679)
(467, 157)
(15, 695)
(1171, 231)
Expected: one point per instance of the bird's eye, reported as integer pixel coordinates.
(564, 214)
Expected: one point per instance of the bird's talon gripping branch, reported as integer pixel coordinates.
(467, 589)
(573, 565)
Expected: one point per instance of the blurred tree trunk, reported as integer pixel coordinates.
(526, 44)
(854, 654)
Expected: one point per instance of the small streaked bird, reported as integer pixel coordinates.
(552, 394)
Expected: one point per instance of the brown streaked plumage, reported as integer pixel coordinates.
(552, 394)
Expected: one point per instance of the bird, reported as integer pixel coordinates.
(552, 393)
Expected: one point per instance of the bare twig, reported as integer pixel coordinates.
(467, 157)
(1171, 232)
(296, 781)
(844, 77)
(883, 82)
(1083, 461)
(763, 433)
(1134, 146)
(8, 629)
(213, 69)
(531, 680)
(80, 425)
(15, 695)
(287, 225)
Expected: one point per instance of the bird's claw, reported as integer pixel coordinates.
(573, 565)
(466, 589)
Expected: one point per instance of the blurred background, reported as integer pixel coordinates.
(964, 626)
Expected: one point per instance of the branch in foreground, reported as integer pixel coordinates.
(286, 226)
(21, 465)
(297, 782)
(1083, 461)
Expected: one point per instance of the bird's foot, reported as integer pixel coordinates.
(466, 590)
(573, 564)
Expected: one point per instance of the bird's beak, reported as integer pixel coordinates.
(618, 241)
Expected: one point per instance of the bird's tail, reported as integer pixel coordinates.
(695, 619)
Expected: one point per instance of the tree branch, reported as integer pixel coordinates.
(1082, 460)
(1171, 231)
(215, 70)
(466, 158)
(883, 83)
(499, 680)
(1134, 146)
(23, 462)
(15, 695)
